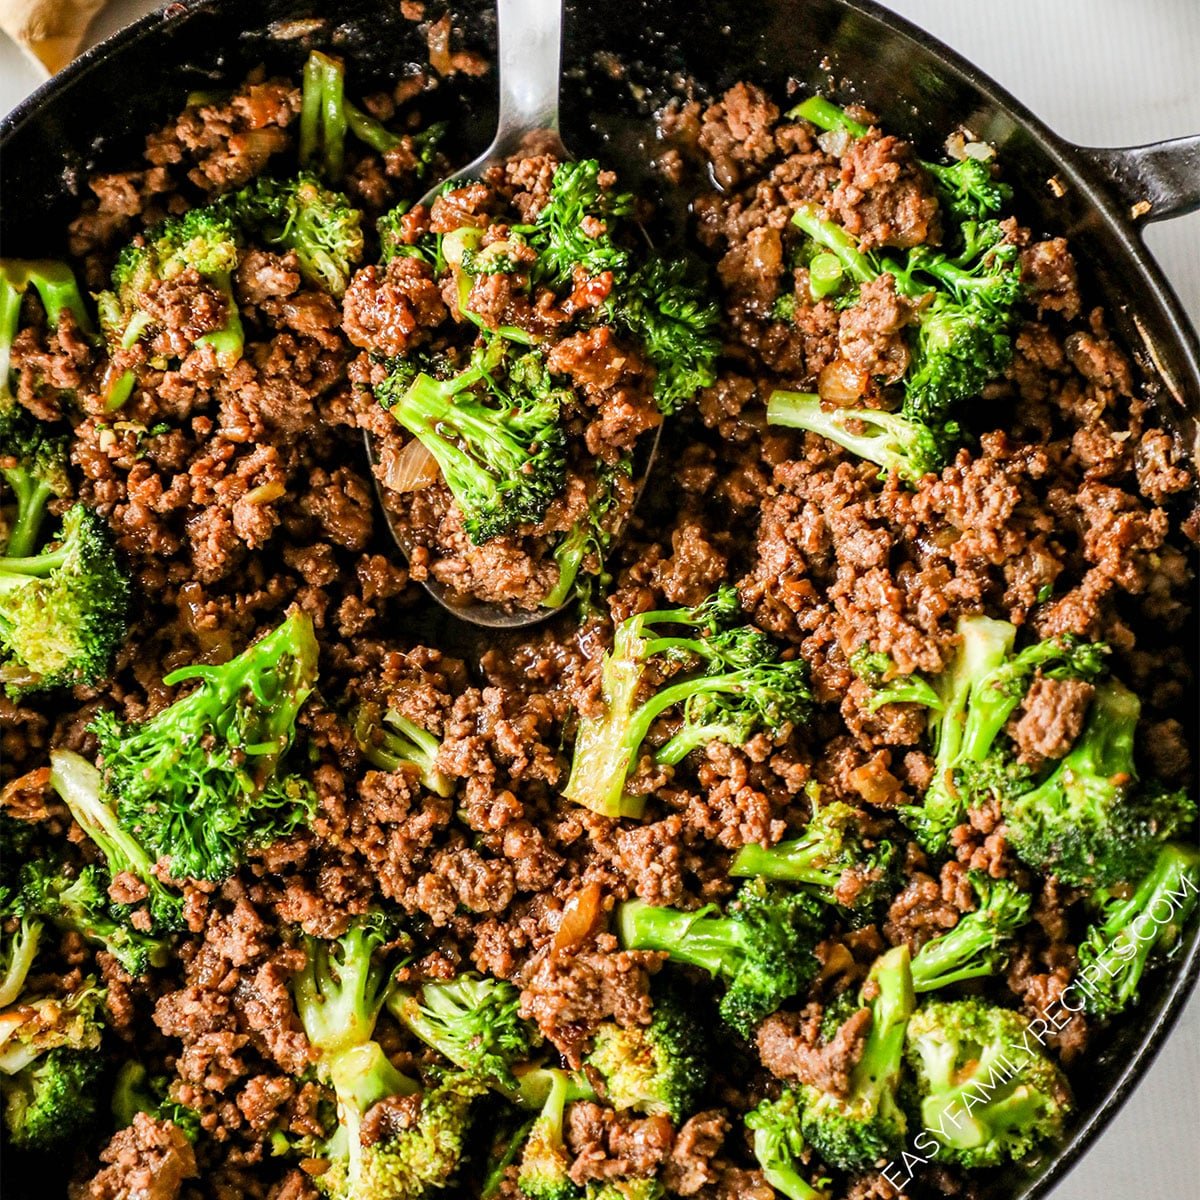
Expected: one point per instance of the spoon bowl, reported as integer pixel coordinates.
(528, 62)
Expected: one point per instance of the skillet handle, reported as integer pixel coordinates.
(1153, 182)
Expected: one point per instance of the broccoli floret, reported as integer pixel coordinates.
(975, 946)
(779, 1144)
(867, 1123)
(1088, 823)
(669, 311)
(657, 1069)
(495, 430)
(834, 857)
(198, 782)
(472, 1021)
(204, 240)
(339, 995)
(742, 685)
(322, 227)
(392, 742)
(545, 1160)
(984, 647)
(62, 612)
(36, 1025)
(762, 947)
(134, 1091)
(1136, 926)
(81, 787)
(81, 903)
(588, 540)
(625, 1189)
(35, 467)
(53, 1100)
(58, 291)
(894, 442)
(575, 225)
(986, 1094)
(877, 669)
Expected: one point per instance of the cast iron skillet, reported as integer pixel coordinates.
(621, 60)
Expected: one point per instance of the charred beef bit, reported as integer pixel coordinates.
(736, 134)
(789, 1045)
(568, 992)
(885, 198)
(610, 1145)
(148, 1160)
(1049, 278)
(388, 309)
(697, 1143)
(228, 143)
(920, 912)
(1050, 719)
(981, 843)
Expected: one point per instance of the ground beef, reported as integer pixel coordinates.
(610, 1145)
(789, 1046)
(148, 1160)
(1051, 718)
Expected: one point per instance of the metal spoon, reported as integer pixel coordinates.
(528, 61)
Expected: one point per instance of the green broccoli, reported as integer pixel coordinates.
(877, 669)
(867, 1123)
(198, 782)
(81, 787)
(665, 306)
(833, 851)
(81, 903)
(545, 1160)
(35, 467)
(1088, 823)
(62, 612)
(204, 240)
(495, 430)
(135, 1091)
(58, 291)
(18, 948)
(961, 340)
(321, 227)
(975, 946)
(967, 188)
(326, 116)
(1135, 926)
(52, 1101)
(778, 1146)
(895, 443)
(472, 1021)
(633, 1188)
(584, 546)
(657, 1069)
(742, 686)
(984, 647)
(984, 1091)
(339, 995)
(37, 1024)
(392, 742)
(762, 947)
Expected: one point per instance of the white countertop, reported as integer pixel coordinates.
(1102, 73)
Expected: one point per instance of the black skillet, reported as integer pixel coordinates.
(621, 58)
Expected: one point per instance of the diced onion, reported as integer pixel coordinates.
(841, 384)
(579, 918)
(411, 470)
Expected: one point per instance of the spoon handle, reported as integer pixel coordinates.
(530, 33)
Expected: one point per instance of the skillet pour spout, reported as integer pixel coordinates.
(89, 118)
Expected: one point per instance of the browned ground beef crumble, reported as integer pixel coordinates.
(236, 493)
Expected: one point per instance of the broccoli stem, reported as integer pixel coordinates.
(891, 441)
(824, 232)
(10, 321)
(568, 555)
(818, 111)
(323, 120)
(825, 276)
(402, 743)
(369, 131)
(806, 859)
(56, 287)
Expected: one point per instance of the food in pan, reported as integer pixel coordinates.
(810, 850)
